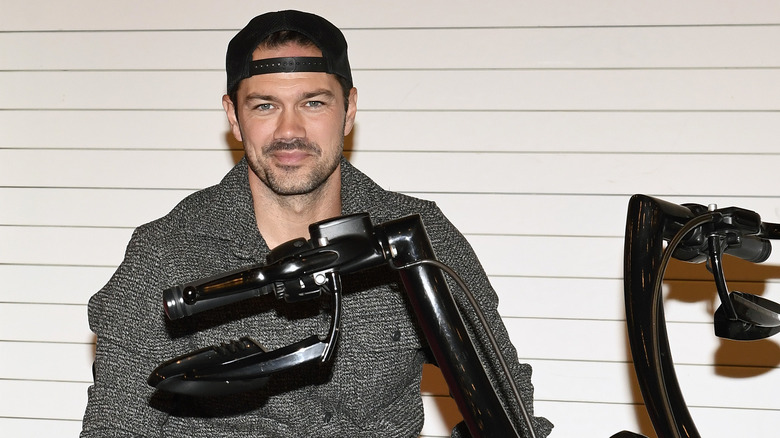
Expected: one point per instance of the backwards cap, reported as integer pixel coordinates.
(327, 37)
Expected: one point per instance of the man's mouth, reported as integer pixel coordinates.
(291, 153)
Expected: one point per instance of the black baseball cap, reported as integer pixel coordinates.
(328, 38)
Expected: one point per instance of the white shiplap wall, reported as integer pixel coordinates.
(537, 119)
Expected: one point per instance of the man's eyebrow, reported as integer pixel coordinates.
(323, 92)
(256, 96)
(316, 93)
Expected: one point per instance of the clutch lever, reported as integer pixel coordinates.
(741, 316)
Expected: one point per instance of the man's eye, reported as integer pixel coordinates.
(315, 104)
(264, 106)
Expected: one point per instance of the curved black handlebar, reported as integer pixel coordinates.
(695, 234)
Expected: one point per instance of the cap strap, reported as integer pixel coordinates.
(288, 65)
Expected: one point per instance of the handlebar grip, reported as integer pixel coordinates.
(190, 298)
(752, 249)
(176, 305)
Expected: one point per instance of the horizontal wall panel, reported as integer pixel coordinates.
(583, 257)
(100, 247)
(550, 256)
(568, 340)
(542, 173)
(735, 422)
(509, 131)
(119, 208)
(607, 341)
(583, 381)
(45, 323)
(113, 169)
(701, 386)
(630, 90)
(528, 90)
(429, 48)
(96, 129)
(660, 175)
(43, 400)
(46, 361)
(704, 387)
(564, 298)
(566, 215)
(579, 47)
(233, 14)
(117, 90)
(599, 420)
(53, 284)
(576, 419)
(603, 299)
(128, 50)
(26, 427)
(610, 131)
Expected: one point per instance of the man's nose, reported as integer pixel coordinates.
(291, 125)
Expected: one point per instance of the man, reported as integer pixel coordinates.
(290, 102)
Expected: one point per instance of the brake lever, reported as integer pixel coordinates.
(244, 364)
(741, 316)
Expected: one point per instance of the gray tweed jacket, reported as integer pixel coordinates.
(372, 387)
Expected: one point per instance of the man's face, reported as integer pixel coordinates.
(292, 125)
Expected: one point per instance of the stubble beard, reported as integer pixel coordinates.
(288, 180)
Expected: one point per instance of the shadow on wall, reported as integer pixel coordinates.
(738, 359)
(693, 283)
(433, 383)
(235, 147)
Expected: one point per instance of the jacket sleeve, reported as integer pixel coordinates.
(125, 316)
(452, 249)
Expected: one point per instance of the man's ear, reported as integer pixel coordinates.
(349, 120)
(230, 112)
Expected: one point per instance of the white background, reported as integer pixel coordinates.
(530, 123)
